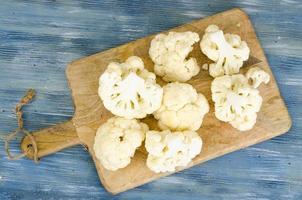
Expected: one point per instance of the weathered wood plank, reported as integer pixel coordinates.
(38, 39)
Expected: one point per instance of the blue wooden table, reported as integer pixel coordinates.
(39, 38)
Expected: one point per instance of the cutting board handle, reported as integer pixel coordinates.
(51, 140)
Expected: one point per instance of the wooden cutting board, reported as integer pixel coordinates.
(218, 137)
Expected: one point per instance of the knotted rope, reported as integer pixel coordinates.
(30, 94)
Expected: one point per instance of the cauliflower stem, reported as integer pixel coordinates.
(226, 50)
(128, 90)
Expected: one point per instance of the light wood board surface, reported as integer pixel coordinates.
(40, 38)
(219, 138)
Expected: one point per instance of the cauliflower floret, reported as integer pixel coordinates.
(245, 121)
(116, 141)
(169, 53)
(168, 150)
(226, 50)
(257, 76)
(182, 108)
(128, 90)
(236, 101)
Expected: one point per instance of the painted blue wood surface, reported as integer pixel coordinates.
(39, 38)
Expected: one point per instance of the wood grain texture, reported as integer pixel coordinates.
(219, 138)
(52, 139)
(38, 39)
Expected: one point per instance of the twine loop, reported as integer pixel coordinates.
(32, 148)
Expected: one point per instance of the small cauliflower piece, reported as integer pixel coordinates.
(168, 150)
(182, 108)
(128, 90)
(236, 101)
(116, 141)
(205, 66)
(226, 50)
(257, 76)
(244, 121)
(169, 52)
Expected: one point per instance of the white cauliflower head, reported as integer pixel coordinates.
(257, 76)
(226, 50)
(128, 90)
(182, 108)
(116, 141)
(236, 101)
(168, 150)
(169, 53)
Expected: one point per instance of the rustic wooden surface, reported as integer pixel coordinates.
(51, 139)
(218, 137)
(39, 39)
